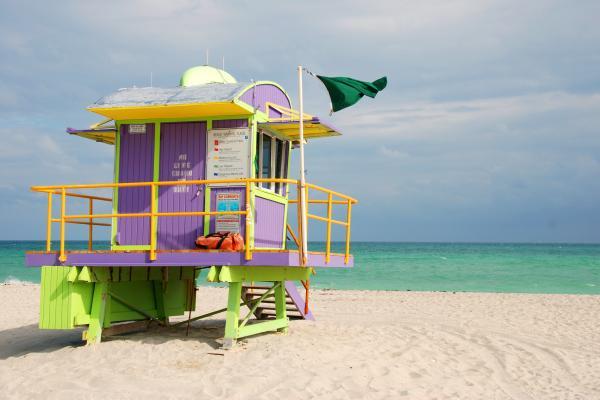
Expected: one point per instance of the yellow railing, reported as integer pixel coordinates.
(88, 219)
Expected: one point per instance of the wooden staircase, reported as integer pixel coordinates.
(266, 309)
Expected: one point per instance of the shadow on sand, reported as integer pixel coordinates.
(29, 339)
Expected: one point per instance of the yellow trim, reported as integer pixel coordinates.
(194, 110)
(154, 214)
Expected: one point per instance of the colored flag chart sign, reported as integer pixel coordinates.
(228, 202)
(228, 153)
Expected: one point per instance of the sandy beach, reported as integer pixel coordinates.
(364, 345)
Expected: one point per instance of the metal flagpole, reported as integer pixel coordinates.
(302, 199)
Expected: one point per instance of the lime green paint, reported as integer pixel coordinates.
(131, 247)
(232, 315)
(280, 304)
(261, 327)
(74, 296)
(269, 195)
(60, 300)
(257, 274)
(203, 75)
(97, 314)
(113, 228)
(207, 191)
(155, 178)
(235, 330)
(199, 119)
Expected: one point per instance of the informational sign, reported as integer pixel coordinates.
(181, 170)
(228, 202)
(136, 129)
(228, 153)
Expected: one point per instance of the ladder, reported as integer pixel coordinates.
(266, 310)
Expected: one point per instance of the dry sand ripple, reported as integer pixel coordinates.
(365, 345)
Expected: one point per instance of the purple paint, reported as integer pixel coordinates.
(136, 157)
(182, 157)
(258, 95)
(269, 223)
(185, 259)
(292, 291)
(230, 123)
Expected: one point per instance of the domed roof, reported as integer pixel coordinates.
(205, 74)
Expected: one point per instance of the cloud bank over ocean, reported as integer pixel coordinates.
(488, 130)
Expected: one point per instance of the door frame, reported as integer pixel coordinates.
(156, 164)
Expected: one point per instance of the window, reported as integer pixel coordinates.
(272, 161)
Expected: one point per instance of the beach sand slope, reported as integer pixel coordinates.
(364, 345)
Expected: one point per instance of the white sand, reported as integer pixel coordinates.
(365, 345)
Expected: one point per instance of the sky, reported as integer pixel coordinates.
(489, 129)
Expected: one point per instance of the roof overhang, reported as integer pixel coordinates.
(193, 110)
(290, 130)
(103, 135)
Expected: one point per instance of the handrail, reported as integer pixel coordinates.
(333, 198)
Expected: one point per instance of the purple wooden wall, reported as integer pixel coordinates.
(230, 123)
(269, 223)
(135, 165)
(182, 157)
(258, 95)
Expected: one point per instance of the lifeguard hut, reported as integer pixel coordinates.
(211, 154)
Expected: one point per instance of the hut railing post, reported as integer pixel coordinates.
(91, 224)
(153, 220)
(348, 222)
(328, 241)
(299, 212)
(49, 223)
(63, 200)
(248, 221)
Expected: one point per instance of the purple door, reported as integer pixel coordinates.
(136, 156)
(182, 157)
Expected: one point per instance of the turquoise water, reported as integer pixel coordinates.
(474, 267)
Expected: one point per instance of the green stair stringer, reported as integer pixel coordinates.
(235, 276)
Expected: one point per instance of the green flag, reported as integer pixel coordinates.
(345, 92)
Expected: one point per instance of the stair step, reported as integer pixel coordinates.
(273, 308)
(272, 312)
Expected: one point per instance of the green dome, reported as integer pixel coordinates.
(205, 74)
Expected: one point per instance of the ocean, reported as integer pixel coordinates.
(461, 267)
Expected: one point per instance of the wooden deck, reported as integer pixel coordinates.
(184, 258)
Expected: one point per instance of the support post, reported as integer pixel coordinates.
(100, 297)
(232, 316)
(280, 305)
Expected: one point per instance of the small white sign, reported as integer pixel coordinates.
(228, 153)
(137, 129)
